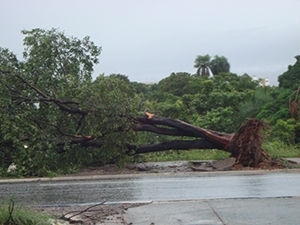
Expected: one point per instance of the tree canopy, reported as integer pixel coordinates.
(51, 103)
(291, 78)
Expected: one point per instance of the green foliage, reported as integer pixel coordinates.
(251, 107)
(276, 106)
(291, 78)
(297, 131)
(278, 149)
(209, 102)
(220, 119)
(174, 84)
(58, 67)
(284, 131)
(54, 54)
(112, 100)
(219, 64)
(21, 216)
(202, 64)
(49, 101)
(49, 98)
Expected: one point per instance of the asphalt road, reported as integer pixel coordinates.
(153, 187)
(246, 211)
(213, 198)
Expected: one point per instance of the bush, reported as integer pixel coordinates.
(284, 131)
(279, 149)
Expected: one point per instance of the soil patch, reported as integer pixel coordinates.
(177, 166)
(93, 214)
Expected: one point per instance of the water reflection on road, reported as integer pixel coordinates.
(251, 186)
(153, 188)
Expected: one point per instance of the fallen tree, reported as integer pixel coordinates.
(245, 145)
(54, 116)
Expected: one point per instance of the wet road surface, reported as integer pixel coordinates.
(258, 211)
(153, 187)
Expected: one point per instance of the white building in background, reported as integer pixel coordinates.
(262, 81)
(265, 82)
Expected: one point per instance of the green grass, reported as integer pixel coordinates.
(277, 150)
(17, 215)
(185, 155)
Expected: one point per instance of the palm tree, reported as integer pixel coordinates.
(205, 66)
(202, 64)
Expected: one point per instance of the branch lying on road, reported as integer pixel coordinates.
(68, 216)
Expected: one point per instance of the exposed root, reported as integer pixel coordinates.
(246, 144)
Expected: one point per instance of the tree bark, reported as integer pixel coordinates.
(244, 145)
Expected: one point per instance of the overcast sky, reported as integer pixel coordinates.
(147, 40)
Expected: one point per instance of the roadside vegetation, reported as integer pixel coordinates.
(17, 215)
(277, 150)
(51, 106)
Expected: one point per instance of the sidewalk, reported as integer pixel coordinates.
(293, 160)
(275, 211)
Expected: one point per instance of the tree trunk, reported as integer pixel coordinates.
(244, 145)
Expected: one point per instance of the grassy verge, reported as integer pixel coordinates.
(17, 215)
(277, 150)
(185, 155)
